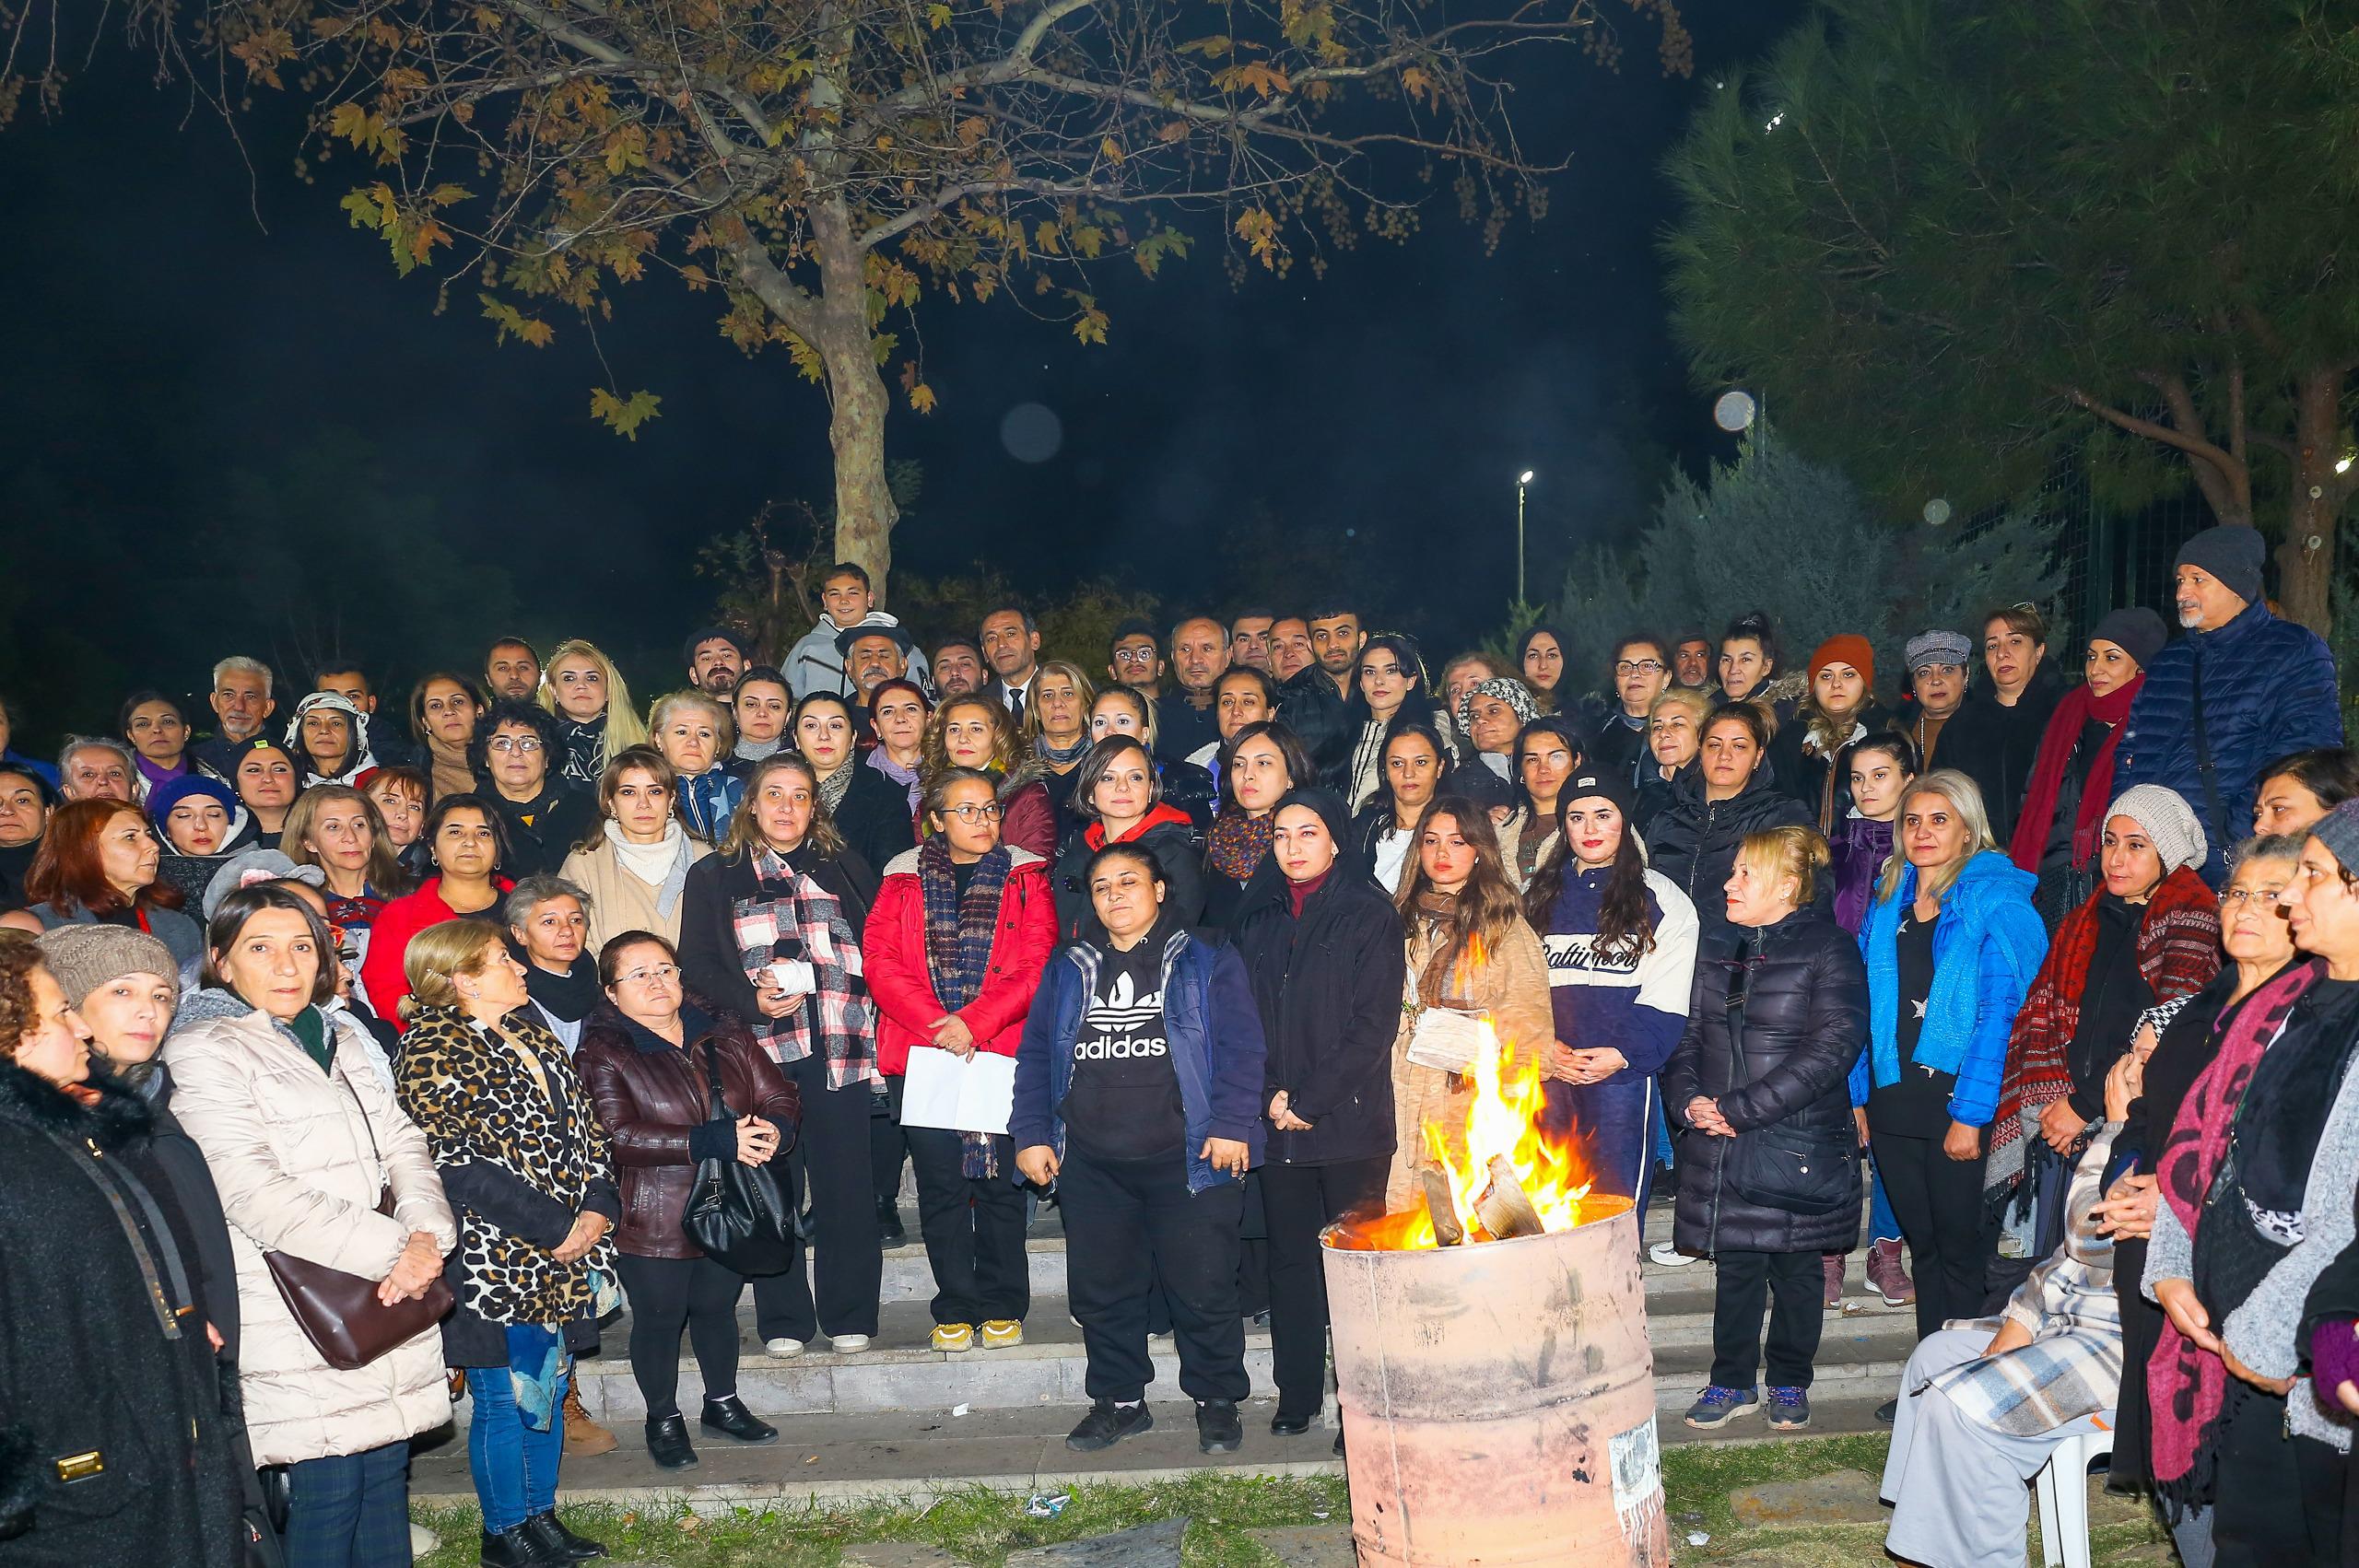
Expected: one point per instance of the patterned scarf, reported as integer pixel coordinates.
(958, 932)
(2178, 952)
(585, 748)
(1239, 842)
(1061, 756)
(791, 916)
(2185, 1385)
(835, 785)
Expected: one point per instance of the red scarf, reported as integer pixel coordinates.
(2030, 843)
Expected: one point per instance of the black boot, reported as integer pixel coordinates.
(667, 1442)
(515, 1547)
(730, 1417)
(559, 1544)
(889, 1229)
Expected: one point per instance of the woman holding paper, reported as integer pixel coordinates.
(962, 927)
(1470, 955)
(769, 931)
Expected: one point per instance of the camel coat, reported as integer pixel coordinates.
(291, 1150)
(1511, 987)
(620, 902)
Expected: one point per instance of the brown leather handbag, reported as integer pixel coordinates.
(339, 1313)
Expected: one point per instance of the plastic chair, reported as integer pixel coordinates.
(2063, 1488)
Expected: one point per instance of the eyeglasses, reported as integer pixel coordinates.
(651, 972)
(1134, 656)
(2265, 897)
(971, 814)
(522, 745)
(1640, 667)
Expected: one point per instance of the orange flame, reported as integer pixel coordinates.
(1503, 1119)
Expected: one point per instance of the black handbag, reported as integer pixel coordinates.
(737, 1215)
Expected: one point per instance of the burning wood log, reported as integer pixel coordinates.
(1448, 1232)
(1505, 1209)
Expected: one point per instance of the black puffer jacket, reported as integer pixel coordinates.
(1790, 1181)
(1329, 988)
(1695, 841)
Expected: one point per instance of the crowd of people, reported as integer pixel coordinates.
(362, 1058)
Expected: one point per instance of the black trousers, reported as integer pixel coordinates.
(1938, 1201)
(851, 1266)
(888, 1149)
(1790, 1284)
(1133, 1231)
(1297, 1202)
(973, 1227)
(2277, 1499)
(666, 1294)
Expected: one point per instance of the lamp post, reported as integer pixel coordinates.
(1521, 480)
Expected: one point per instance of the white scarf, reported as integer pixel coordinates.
(662, 865)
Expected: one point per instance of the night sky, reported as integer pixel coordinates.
(214, 384)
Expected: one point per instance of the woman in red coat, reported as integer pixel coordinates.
(961, 930)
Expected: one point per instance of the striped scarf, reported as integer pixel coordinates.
(958, 934)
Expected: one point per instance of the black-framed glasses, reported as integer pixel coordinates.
(1640, 667)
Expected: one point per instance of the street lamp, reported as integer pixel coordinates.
(1521, 480)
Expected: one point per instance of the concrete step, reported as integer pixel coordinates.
(849, 1458)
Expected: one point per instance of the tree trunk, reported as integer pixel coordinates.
(857, 397)
(2306, 558)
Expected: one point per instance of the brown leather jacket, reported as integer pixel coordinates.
(652, 1095)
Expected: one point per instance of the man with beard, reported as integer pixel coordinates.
(815, 663)
(510, 669)
(2241, 689)
(957, 667)
(243, 704)
(873, 652)
(715, 657)
(1691, 660)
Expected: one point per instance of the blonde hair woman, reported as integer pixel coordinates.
(594, 708)
(975, 731)
(1769, 1164)
(528, 1164)
(1952, 943)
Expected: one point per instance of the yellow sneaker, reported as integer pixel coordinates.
(999, 1334)
(954, 1335)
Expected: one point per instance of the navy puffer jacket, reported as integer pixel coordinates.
(1790, 1181)
(2269, 689)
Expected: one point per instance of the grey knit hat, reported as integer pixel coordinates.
(1937, 648)
(2233, 553)
(2170, 825)
(252, 866)
(85, 957)
(2339, 831)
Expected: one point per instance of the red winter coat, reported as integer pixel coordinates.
(893, 955)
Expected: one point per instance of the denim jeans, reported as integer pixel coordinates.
(349, 1510)
(514, 1467)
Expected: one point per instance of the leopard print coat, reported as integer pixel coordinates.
(520, 1151)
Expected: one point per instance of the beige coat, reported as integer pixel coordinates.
(618, 901)
(1512, 988)
(290, 1150)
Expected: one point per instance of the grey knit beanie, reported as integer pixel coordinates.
(2231, 552)
(85, 957)
(2170, 825)
(2137, 631)
(2339, 831)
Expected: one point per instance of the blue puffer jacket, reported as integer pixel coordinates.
(1986, 950)
(1215, 1032)
(2269, 689)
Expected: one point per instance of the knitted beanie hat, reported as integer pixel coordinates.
(2170, 825)
(2339, 831)
(2231, 552)
(1846, 648)
(2137, 631)
(85, 957)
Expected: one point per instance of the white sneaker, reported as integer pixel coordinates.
(783, 1348)
(1668, 1255)
(423, 1540)
(846, 1344)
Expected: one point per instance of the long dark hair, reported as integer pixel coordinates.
(1625, 932)
(1486, 905)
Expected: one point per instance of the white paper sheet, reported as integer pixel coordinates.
(970, 1095)
(1446, 1040)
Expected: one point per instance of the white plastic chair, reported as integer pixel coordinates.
(2063, 1488)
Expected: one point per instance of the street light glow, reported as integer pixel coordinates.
(1525, 478)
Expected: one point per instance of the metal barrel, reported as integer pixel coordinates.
(1499, 1401)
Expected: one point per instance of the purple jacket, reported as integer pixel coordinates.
(1859, 850)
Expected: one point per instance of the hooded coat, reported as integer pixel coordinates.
(95, 1358)
(1167, 834)
(893, 945)
(1777, 1067)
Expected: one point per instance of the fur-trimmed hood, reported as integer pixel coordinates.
(119, 1118)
